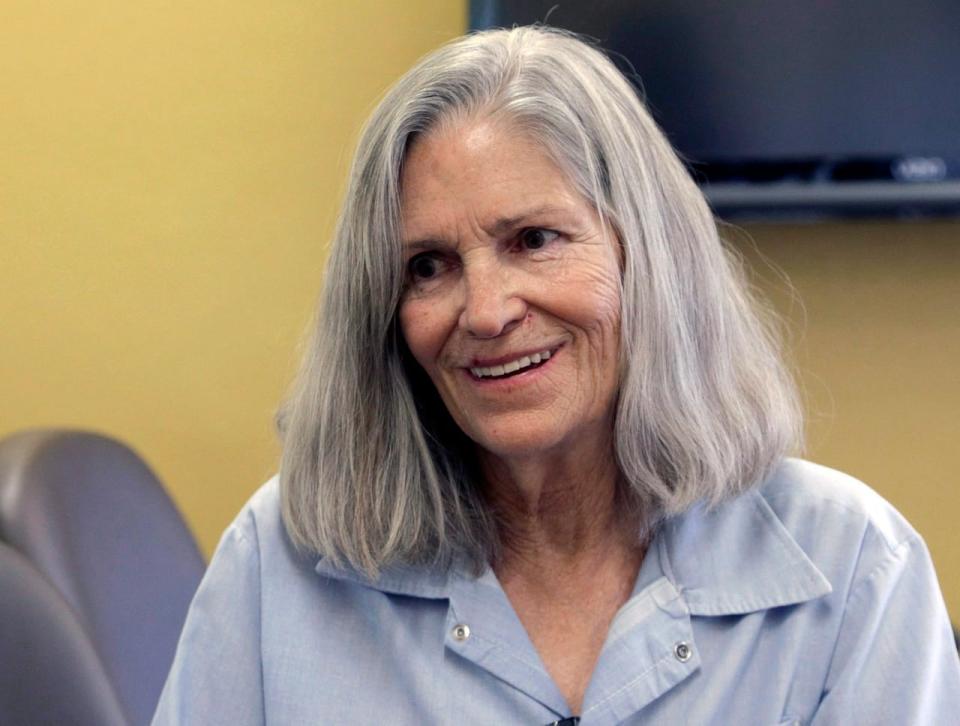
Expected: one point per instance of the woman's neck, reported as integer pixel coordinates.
(555, 512)
(570, 554)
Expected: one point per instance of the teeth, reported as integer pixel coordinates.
(512, 366)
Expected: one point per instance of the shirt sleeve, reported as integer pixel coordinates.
(895, 660)
(216, 676)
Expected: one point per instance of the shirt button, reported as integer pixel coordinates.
(682, 651)
(461, 632)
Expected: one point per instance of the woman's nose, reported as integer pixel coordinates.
(491, 305)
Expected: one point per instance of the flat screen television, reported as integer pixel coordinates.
(789, 108)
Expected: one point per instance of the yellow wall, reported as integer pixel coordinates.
(169, 174)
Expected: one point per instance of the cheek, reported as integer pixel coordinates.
(594, 305)
(422, 332)
(603, 330)
(601, 326)
(606, 301)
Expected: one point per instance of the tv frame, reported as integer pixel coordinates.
(893, 187)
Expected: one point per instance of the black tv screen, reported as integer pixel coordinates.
(789, 108)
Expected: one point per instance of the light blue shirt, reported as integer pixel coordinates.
(809, 600)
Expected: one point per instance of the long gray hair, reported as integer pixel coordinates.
(374, 473)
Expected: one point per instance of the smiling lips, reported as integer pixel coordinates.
(514, 366)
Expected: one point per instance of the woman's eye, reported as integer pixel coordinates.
(536, 238)
(423, 266)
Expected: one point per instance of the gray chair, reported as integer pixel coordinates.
(93, 519)
(49, 671)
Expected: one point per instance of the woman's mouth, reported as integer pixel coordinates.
(513, 367)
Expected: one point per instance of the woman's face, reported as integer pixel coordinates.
(512, 304)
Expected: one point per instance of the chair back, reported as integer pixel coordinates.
(50, 672)
(93, 519)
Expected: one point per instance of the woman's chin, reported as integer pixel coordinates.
(529, 443)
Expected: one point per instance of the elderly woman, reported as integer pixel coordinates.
(533, 468)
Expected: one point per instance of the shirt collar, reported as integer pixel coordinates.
(734, 559)
(425, 582)
(737, 558)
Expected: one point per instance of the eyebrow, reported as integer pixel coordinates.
(499, 227)
(506, 224)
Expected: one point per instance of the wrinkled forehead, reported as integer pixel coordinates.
(481, 172)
